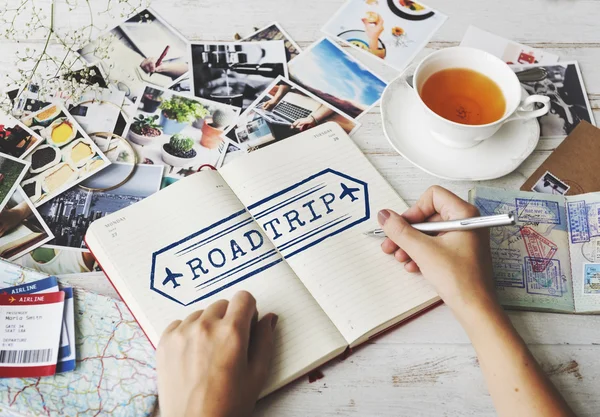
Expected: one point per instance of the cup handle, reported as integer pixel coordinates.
(525, 110)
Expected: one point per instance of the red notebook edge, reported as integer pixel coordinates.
(117, 291)
(349, 351)
(342, 356)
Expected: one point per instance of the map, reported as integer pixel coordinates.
(115, 373)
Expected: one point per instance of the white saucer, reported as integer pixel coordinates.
(403, 125)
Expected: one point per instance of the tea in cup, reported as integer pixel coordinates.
(468, 94)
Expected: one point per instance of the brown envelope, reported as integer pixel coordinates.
(573, 168)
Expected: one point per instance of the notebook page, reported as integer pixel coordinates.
(583, 213)
(359, 287)
(128, 245)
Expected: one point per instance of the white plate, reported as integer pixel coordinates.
(403, 125)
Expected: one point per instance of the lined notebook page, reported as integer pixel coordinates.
(360, 288)
(124, 243)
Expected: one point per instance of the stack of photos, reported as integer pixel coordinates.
(96, 105)
(179, 132)
(143, 49)
(16, 139)
(12, 172)
(236, 73)
(394, 31)
(65, 157)
(96, 109)
(283, 110)
(21, 227)
(569, 104)
(70, 214)
(274, 32)
(509, 51)
(337, 78)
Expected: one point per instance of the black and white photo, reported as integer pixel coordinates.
(550, 184)
(69, 215)
(236, 73)
(569, 105)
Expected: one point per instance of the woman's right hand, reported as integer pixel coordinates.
(458, 264)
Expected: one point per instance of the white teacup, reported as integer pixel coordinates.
(459, 135)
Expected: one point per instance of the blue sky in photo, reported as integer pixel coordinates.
(327, 68)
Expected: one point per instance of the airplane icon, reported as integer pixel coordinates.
(171, 277)
(348, 191)
(12, 299)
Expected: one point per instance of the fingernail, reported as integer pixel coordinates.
(274, 321)
(382, 216)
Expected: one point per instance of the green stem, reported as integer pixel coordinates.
(50, 32)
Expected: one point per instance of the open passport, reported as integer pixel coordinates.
(285, 223)
(550, 260)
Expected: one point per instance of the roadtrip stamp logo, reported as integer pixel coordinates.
(250, 241)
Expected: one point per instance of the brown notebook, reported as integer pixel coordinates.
(572, 168)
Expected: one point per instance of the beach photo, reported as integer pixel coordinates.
(274, 32)
(236, 73)
(336, 77)
(69, 215)
(569, 104)
(66, 156)
(21, 227)
(392, 31)
(180, 132)
(283, 110)
(142, 49)
(16, 139)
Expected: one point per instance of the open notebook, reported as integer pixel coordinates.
(285, 223)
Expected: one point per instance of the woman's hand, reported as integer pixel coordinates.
(215, 362)
(304, 123)
(11, 217)
(270, 104)
(458, 264)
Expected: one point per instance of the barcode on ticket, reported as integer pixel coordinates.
(25, 356)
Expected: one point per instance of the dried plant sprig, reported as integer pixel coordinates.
(24, 20)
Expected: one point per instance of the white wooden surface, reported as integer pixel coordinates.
(427, 367)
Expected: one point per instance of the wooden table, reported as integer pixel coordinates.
(427, 367)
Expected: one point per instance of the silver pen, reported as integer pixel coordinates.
(454, 225)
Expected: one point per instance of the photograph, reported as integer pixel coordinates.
(143, 49)
(235, 73)
(394, 31)
(550, 184)
(569, 103)
(180, 132)
(284, 110)
(16, 139)
(69, 215)
(12, 172)
(21, 227)
(95, 105)
(233, 152)
(337, 78)
(505, 49)
(56, 261)
(591, 279)
(274, 32)
(66, 156)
